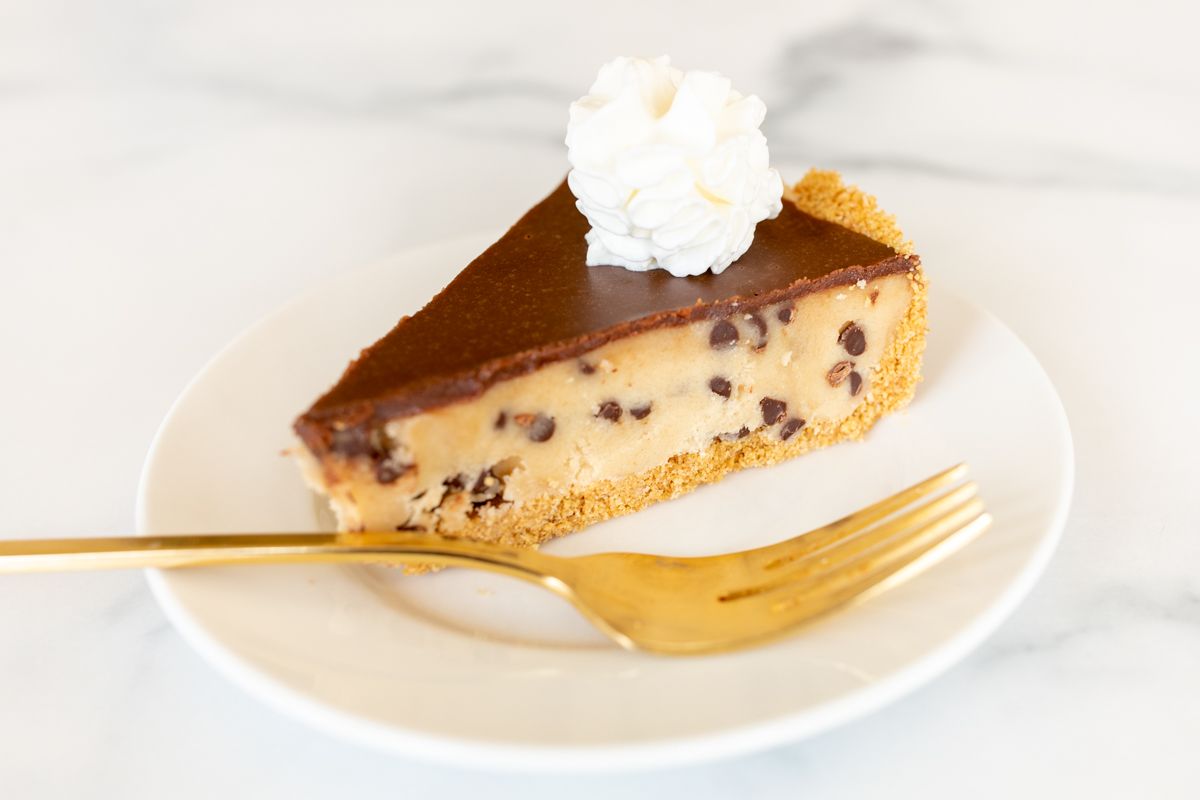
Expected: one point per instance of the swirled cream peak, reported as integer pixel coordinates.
(669, 167)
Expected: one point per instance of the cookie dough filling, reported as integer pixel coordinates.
(587, 437)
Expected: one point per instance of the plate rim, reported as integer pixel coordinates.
(676, 751)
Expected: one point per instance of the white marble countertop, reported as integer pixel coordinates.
(168, 174)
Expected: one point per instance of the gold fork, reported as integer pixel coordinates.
(658, 603)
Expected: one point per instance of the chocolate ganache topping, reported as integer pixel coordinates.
(531, 300)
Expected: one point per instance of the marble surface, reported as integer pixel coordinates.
(171, 172)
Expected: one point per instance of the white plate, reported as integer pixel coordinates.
(469, 668)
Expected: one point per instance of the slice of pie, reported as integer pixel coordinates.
(536, 395)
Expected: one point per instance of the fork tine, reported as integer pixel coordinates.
(898, 561)
(851, 546)
(785, 552)
(934, 554)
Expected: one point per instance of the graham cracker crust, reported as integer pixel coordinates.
(822, 194)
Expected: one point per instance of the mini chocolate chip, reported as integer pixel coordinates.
(723, 335)
(501, 420)
(839, 372)
(456, 483)
(494, 500)
(609, 410)
(641, 412)
(790, 427)
(760, 325)
(387, 470)
(772, 410)
(855, 384)
(734, 436)
(721, 387)
(874, 296)
(853, 339)
(586, 368)
(541, 428)
(784, 314)
(487, 487)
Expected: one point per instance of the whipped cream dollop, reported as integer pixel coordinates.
(669, 167)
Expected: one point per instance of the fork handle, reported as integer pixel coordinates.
(50, 555)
